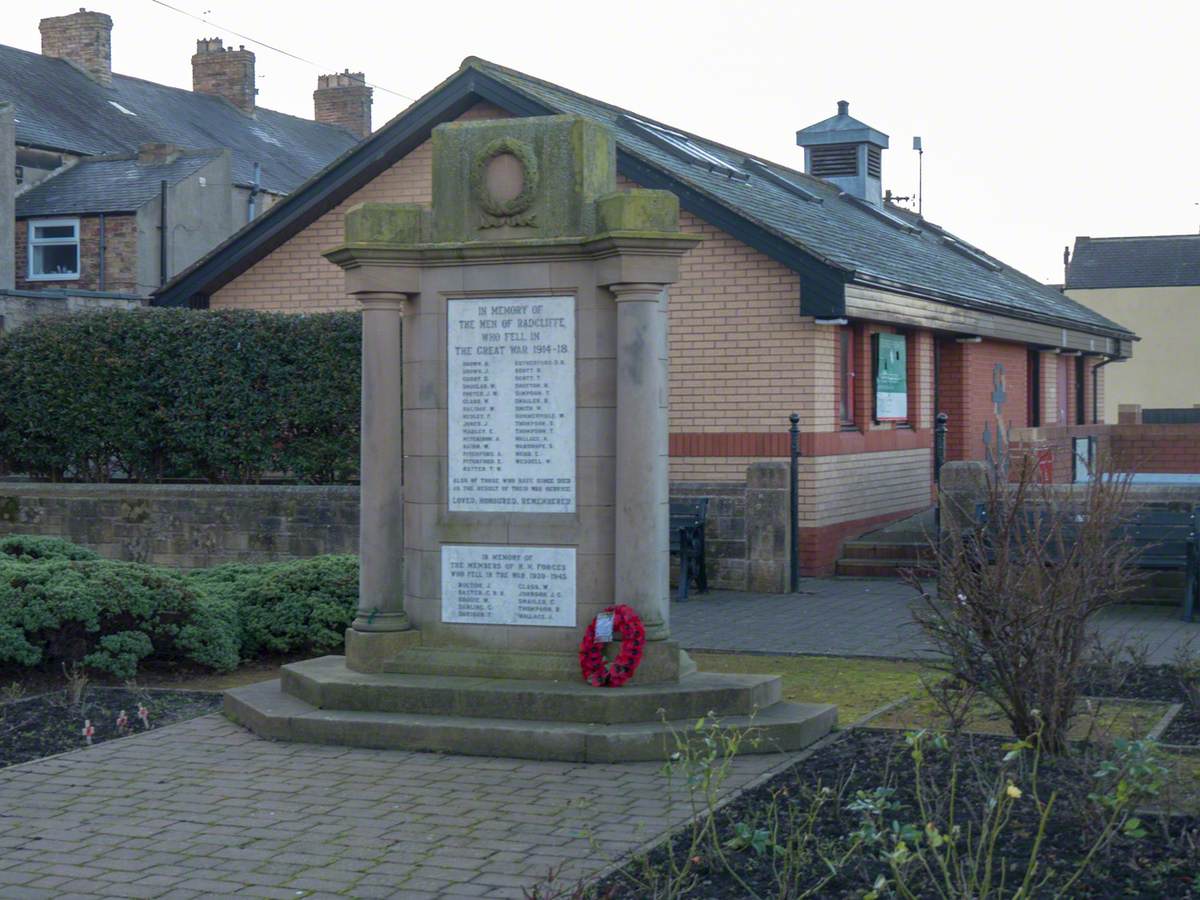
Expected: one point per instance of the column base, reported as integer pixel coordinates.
(370, 651)
(384, 621)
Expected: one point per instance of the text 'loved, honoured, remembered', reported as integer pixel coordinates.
(512, 404)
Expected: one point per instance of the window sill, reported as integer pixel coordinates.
(74, 277)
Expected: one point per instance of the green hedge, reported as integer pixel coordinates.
(220, 396)
(58, 605)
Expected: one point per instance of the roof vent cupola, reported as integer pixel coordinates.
(847, 153)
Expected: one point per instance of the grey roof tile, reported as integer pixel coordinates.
(836, 230)
(107, 185)
(57, 107)
(1169, 260)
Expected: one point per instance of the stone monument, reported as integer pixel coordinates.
(514, 467)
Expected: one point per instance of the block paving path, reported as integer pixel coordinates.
(205, 809)
(872, 617)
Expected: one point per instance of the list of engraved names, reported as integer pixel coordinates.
(511, 387)
(508, 585)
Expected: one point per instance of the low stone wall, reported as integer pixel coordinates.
(18, 308)
(746, 533)
(191, 526)
(188, 526)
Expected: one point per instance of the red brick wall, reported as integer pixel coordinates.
(966, 379)
(120, 238)
(1157, 448)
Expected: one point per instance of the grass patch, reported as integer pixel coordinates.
(1106, 718)
(855, 686)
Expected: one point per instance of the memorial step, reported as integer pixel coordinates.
(266, 710)
(326, 683)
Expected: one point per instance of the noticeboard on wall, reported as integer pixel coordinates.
(890, 355)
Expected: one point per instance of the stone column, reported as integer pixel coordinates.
(642, 548)
(381, 509)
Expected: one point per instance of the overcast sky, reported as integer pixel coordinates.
(1041, 121)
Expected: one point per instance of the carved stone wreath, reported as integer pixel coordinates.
(506, 212)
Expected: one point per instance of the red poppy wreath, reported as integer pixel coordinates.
(596, 671)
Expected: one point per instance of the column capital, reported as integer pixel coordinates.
(384, 300)
(630, 290)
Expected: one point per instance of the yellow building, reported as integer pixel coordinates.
(1151, 285)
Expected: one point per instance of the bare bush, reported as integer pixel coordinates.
(1016, 593)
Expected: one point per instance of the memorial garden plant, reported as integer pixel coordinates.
(62, 604)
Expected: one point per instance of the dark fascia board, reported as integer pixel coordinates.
(822, 287)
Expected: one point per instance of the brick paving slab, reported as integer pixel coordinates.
(204, 808)
(871, 617)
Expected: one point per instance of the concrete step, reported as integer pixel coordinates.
(881, 568)
(914, 550)
(271, 713)
(326, 683)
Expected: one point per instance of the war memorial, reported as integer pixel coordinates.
(514, 472)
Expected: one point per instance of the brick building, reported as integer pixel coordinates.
(781, 309)
(117, 183)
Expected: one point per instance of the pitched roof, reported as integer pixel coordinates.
(831, 239)
(107, 184)
(1168, 260)
(58, 107)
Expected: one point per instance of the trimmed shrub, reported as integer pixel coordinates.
(223, 396)
(108, 615)
(301, 606)
(60, 602)
(33, 546)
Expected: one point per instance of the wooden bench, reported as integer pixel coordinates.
(687, 540)
(1163, 539)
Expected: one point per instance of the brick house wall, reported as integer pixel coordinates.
(120, 256)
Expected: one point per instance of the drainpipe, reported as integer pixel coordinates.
(162, 234)
(793, 505)
(255, 189)
(103, 252)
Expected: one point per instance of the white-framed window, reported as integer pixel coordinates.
(53, 249)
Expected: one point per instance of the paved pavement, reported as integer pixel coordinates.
(205, 809)
(870, 617)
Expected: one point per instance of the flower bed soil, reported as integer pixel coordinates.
(1159, 864)
(48, 724)
(1184, 728)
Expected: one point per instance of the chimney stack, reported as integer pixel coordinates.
(224, 73)
(343, 99)
(84, 39)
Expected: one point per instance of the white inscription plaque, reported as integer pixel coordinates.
(508, 585)
(512, 404)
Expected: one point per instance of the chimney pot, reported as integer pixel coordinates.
(344, 99)
(84, 39)
(843, 107)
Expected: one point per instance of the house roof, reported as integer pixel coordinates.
(1168, 260)
(107, 184)
(809, 224)
(58, 107)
